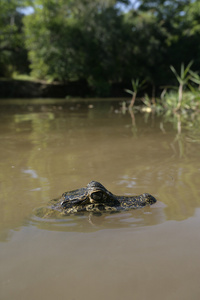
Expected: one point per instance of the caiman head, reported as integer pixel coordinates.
(93, 193)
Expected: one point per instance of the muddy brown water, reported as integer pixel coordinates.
(49, 147)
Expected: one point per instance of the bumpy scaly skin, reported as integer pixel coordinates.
(96, 198)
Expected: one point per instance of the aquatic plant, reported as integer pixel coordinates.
(195, 78)
(183, 80)
(137, 85)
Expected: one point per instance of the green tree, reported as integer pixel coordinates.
(99, 41)
(179, 18)
(70, 40)
(149, 47)
(12, 50)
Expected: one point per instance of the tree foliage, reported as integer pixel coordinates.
(101, 41)
(12, 48)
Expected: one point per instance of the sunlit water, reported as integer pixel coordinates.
(50, 147)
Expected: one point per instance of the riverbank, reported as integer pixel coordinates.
(12, 88)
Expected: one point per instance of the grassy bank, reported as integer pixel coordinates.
(183, 97)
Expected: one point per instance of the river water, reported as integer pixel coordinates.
(49, 147)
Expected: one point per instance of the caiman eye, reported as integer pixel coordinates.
(97, 196)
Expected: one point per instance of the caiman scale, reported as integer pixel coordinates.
(96, 198)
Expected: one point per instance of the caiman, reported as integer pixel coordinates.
(97, 199)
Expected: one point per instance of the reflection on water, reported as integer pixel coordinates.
(90, 222)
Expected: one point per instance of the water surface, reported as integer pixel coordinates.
(49, 147)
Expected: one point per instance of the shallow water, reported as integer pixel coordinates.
(50, 147)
